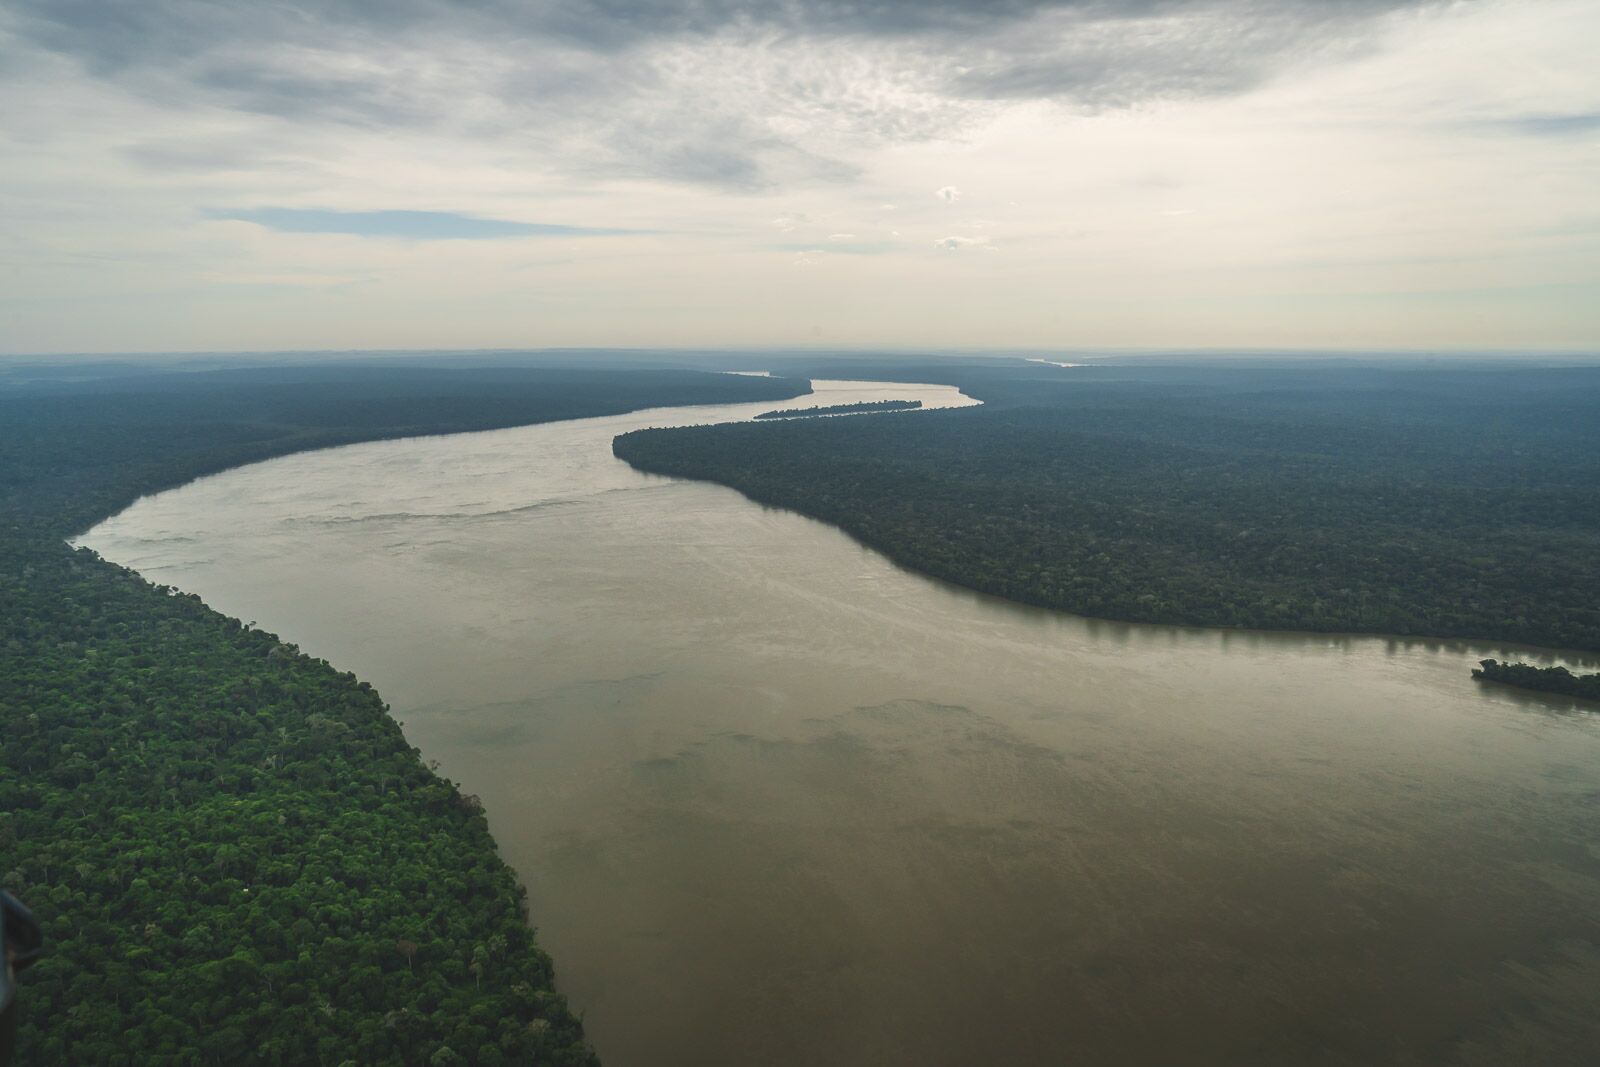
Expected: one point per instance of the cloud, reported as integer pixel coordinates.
(956, 244)
(114, 36)
(1551, 125)
(190, 155)
(725, 93)
(118, 35)
(852, 246)
(1107, 56)
(409, 225)
(1306, 135)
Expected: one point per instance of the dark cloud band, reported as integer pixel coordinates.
(591, 73)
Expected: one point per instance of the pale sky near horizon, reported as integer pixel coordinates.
(183, 175)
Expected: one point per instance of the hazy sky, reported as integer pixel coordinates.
(183, 174)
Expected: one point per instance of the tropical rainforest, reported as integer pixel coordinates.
(1557, 680)
(1438, 499)
(864, 407)
(235, 854)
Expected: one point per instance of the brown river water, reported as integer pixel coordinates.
(779, 801)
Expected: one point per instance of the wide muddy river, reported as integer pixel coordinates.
(778, 801)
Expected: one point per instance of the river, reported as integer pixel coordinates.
(778, 801)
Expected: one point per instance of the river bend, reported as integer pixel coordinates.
(778, 801)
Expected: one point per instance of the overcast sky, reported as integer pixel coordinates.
(189, 175)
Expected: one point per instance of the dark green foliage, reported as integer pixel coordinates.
(1447, 502)
(844, 409)
(1545, 679)
(236, 855)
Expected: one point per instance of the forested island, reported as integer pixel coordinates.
(1544, 679)
(235, 854)
(843, 409)
(1437, 500)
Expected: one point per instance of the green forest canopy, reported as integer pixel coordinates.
(236, 855)
(1544, 679)
(1445, 500)
(864, 407)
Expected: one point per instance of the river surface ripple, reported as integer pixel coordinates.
(778, 801)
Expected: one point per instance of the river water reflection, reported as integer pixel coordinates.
(778, 801)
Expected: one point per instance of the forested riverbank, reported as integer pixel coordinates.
(236, 855)
(1558, 680)
(1443, 501)
(752, 749)
(868, 407)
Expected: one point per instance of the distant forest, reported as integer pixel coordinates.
(236, 856)
(843, 409)
(1444, 500)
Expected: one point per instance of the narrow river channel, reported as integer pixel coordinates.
(778, 801)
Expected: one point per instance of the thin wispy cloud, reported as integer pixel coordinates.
(408, 225)
(849, 247)
(1551, 125)
(957, 243)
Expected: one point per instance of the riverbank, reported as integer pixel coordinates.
(1558, 681)
(778, 800)
(1447, 503)
(234, 850)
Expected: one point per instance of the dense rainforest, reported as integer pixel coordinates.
(1444, 499)
(864, 407)
(236, 856)
(1558, 680)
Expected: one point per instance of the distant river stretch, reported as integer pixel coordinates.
(778, 801)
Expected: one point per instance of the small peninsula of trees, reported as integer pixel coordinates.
(236, 856)
(1544, 679)
(863, 407)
